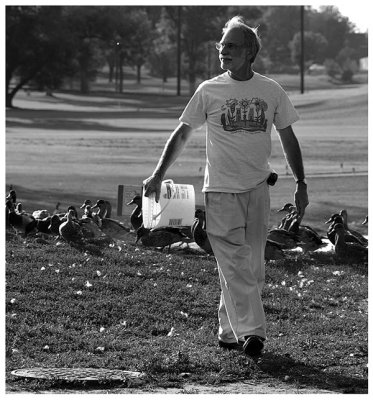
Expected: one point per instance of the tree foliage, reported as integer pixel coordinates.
(332, 25)
(36, 44)
(315, 46)
(47, 44)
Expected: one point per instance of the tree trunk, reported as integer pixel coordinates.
(138, 73)
(192, 76)
(111, 73)
(120, 66)
(9, 100)
(84, 82)
(192, 82)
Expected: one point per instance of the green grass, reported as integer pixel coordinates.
(316, 310)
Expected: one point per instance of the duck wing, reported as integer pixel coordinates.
(162, 237)
(200, 237)
(359, 236)
(71, 231)
(273, 251)
(352, 252)
(114, 229)
(288, 239)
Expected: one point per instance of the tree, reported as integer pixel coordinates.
(198, 26)
(314, 47)
(332, 25)
(36, 41)
(140, 39)
(280, 24)
(346, 59)
(91, 27)
(162, 58)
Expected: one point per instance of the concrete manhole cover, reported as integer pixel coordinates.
(79, 374)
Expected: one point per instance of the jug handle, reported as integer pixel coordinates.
(165, 206)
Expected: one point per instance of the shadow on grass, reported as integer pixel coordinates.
(22, 385)
(278, 367)
(77, 123)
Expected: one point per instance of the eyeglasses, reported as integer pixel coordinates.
(229, 46)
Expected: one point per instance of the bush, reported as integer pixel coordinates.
(332, 67)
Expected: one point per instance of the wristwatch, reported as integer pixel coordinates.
(302, 181)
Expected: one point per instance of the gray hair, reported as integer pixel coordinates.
(251, 34)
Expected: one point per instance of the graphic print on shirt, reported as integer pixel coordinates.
(244, 115)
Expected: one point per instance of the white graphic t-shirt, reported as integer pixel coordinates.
(239, 116)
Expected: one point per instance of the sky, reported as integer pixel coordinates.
(356, 11)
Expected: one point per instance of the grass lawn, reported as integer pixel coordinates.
(115, 309)
(66, 308)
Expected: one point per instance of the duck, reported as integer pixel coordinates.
(40, 214)
(87, 202)
(104, 207)
(351, 252)
(54, 225)
(136, 215)
(12, 195)
(90, 229)
(160, 237)
(114, 229)
(273, 251)
(70, 230)
(74, 211)
(288, 219)
(43, 225)
(199, 231)
(289, 240)
(20, 221)
(357, 234)
(310, 240)
(89, 214)
(337, 219)
(19, 209)
(288, 207)
(57, 208)
(9, 205)
(110, 227)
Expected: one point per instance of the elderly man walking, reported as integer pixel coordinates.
(239, 108)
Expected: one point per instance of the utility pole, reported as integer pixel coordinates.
(302, 49)
(179, 49)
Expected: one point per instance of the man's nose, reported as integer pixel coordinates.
(224, 50)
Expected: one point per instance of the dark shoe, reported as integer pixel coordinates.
(231, 346)
(253, 345)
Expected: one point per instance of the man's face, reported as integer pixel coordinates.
(234, 56)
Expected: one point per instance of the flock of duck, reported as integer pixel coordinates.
(349, 245)
(94, 227)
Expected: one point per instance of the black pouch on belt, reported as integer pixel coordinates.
(272, 179)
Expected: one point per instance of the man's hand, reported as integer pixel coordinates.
(153, 185)
(301, 198)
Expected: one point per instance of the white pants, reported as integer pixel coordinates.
(237, 226)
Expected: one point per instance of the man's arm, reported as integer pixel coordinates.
(174, 146)
(293, 155)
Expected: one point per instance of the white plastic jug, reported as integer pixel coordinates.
(176, 206)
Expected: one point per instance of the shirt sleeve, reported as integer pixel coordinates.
(285, 113)
(194, 113)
